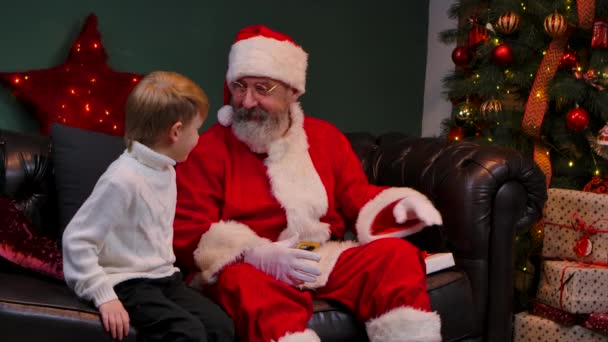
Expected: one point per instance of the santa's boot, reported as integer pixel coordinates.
(405, 324)
(307, 335)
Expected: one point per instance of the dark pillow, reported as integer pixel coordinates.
(24, 244)
(79, 157)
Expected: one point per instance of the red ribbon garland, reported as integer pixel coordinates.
(579, 225)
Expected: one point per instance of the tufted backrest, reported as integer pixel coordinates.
(26, 175)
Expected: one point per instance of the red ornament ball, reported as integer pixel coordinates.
(502, 55)
(456, 133)
(461, 56)
(577, 119)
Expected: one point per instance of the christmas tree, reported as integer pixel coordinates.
(533, 76)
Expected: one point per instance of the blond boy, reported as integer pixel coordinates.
(118, 247)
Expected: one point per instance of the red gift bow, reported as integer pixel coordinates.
(563, 283)
(579, 225)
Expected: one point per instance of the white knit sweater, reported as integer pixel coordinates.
(124, 230)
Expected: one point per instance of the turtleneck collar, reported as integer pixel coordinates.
(149, 157)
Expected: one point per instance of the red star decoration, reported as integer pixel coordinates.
(83, 92)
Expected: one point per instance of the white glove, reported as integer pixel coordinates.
(283, 262)
(417, 206)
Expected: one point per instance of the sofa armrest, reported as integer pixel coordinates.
(486, 194)
(465, 180)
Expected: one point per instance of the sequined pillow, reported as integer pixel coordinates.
(23, 244)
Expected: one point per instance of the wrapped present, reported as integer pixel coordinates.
(556, 315)
(574, 287)
(598, 322)
(576, 226)
(531, 328)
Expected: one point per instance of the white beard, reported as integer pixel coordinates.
(258, 135)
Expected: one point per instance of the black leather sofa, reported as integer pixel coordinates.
(485, 194)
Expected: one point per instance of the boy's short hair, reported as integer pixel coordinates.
(157, 102)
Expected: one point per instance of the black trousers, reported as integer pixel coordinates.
(166, 309)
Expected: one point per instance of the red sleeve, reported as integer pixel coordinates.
(366, 206)
(200, 194)
(352, 190)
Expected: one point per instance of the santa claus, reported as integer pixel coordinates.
(267, 180)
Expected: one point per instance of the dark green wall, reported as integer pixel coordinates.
(366, 59)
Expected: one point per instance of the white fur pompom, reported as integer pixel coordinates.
(224, 115)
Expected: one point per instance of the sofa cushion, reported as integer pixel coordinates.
(79, 157)
(452, 298)
(37, 309)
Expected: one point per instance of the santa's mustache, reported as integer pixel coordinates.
(250, 114)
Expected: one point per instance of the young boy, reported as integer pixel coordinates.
(118, 247)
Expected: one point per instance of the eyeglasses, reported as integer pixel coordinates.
(239, 89)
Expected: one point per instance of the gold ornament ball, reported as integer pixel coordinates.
(464, 113)
(508, 22)
(490, 107)
(555, 25)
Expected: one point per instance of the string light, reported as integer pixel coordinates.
(571, 163)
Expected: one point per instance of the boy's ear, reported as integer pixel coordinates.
(174, 131)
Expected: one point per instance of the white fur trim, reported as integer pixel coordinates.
(296, 184)
(405, 324)
(223, 244)
(268, 57)
(371, 209)
(307, 335)
(224, 115)
(329, 253)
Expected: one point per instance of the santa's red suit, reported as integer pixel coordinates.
(310, 183)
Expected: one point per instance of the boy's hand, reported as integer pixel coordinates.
(115, 319)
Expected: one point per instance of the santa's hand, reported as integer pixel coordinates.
(416, 207)
(283, 262)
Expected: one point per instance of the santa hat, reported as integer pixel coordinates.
(262, 52)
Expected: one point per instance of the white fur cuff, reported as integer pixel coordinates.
(223, 244)
(405, 324)
(371, 209)
(307, 335)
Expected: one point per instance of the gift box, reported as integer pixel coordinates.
(574, 287)
(576, 226)
(530, 328)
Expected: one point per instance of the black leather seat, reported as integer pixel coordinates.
(485, 194)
